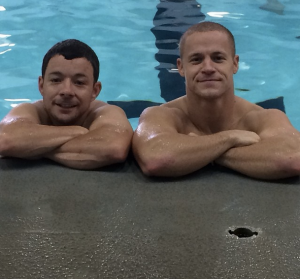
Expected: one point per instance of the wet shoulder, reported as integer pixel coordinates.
(177, 107)
(254, 116)
(97, 108)
(97, 104)
(40, 110)
(34, 111)
(172, 113)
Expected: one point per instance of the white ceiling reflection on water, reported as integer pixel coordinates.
(224, 14)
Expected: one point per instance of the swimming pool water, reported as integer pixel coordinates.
(120, 32)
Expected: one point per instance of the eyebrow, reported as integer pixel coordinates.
(219, 52)
(201, 54)
(57, 73)
(195, 54)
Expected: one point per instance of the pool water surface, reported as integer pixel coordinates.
(136, 45)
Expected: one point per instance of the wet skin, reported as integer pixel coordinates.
(208, 64)
(68, 89)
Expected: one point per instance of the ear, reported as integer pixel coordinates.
(41, 85)
(236, 60)
(180, 67)
(96, 90)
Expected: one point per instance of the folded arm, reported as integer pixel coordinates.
(162, 150)
(276, 156)
(107, 142)
(23, 136)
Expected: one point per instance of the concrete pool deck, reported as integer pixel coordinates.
(57, 222)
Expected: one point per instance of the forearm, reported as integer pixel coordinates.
(75, 160)
(264, 160)
(85, 159)
(92, 151)
(33, 141)
(176, 155)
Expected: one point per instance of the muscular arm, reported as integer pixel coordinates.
(161, 150)
(23, 136)
(107, 142)
(276, 156)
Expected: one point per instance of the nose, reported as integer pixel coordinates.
(67, 88)
(208, 66)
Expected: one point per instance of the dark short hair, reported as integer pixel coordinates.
(206, 26)
(71, 49)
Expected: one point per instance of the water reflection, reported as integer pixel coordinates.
(4, 43)
(172, 19)
(273, 6)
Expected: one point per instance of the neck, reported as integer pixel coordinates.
(212, 115)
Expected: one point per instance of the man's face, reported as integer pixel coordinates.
(68, 89)
(208, 64)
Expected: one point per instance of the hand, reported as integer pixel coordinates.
(243, 138)
(79, 131)
(192, 135)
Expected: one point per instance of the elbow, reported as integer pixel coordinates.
(153, 159)
(117, 153)
(151, 168)
(289, 166)
(6, 146)
(293, 166)
(156, 165)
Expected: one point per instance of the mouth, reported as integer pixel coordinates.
(66, 105)
(208, 80)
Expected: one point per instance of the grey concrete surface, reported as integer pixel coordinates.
(57, 222)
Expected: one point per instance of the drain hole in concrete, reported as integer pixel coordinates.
(243, 232)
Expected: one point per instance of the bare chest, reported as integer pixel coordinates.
(239, 123)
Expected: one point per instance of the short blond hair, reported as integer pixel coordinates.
(206, 26)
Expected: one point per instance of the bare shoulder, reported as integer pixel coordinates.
(167, 117)
(158, 112)
(99, 108)
(266, 121)
(105, 113)
(31, 112)
(97, 104)
(269, 117)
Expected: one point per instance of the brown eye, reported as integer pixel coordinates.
(219, 58)
(55, 80)
(196, 60)
(79, 82)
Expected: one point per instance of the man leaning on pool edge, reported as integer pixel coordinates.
(68, 125)
(211, 124)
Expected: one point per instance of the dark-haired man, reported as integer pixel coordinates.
(211, 124)
(68, 125)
